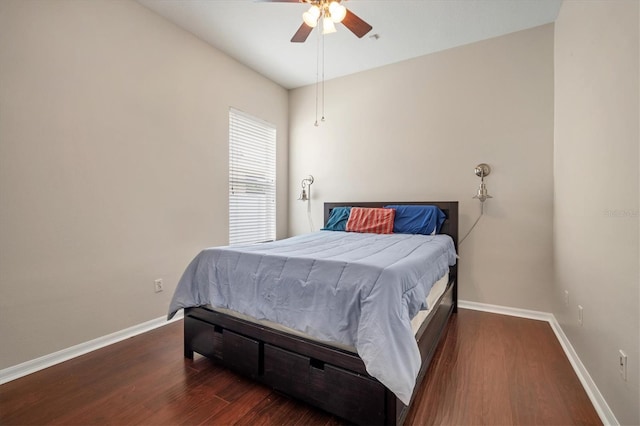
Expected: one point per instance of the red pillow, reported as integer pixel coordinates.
(376, 221)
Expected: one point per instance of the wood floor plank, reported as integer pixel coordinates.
(195, 406)
(489, 369)
(497, 388)
(278, 409)
(240, 393)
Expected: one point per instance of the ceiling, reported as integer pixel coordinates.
(257, 33)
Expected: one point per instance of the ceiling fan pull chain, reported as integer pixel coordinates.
(322, 79)
(317, 74)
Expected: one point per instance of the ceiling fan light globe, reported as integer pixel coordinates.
(314, 11)
(309, 19)
(337, 11)
(328, 26)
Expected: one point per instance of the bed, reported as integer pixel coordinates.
(314, 367)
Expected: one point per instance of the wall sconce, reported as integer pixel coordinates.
(305, 195)
(481, 171)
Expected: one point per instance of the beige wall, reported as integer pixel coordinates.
(596, 191)
(113, 165)
(415, 130)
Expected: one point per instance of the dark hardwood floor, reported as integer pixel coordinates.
(489, 369)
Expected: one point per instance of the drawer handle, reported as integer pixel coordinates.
(317, 364)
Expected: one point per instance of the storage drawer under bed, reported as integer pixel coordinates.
(349, 395)
(237, 352)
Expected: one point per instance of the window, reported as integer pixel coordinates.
(252, 179)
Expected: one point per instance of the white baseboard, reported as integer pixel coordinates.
(505, 310)
(28, 367)
(599, 403)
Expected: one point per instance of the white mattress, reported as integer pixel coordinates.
(436, 291)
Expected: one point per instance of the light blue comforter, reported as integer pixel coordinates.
(357, 289)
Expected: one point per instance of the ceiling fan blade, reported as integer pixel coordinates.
(301, 35)
(355, 24)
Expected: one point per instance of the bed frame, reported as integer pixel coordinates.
(321, 375)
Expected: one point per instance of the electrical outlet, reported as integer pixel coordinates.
(158, 285)
(566, 298)
(622, 364)
(580, 314)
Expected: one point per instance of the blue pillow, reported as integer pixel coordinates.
(338, 219)
(414, 219)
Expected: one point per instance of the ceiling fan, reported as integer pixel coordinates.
(327, 13)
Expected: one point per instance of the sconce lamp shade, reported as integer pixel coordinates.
(482, 194)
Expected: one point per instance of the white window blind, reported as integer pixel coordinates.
(252, 179)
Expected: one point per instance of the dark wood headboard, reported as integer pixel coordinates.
(450, 209)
